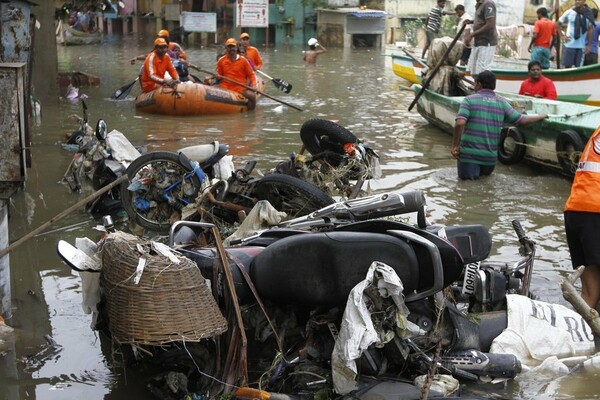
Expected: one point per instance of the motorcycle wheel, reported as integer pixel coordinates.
(291, 195)
(319, 135)
(146, 205)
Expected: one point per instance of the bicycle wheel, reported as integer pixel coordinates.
(158, 190)
(291, 195)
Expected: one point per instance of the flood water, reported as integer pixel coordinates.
(356, 87)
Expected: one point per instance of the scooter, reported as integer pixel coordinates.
(305, 270)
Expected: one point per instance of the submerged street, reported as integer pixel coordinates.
(58, 356)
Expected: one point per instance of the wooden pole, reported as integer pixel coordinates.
(66, 212)
(244, 86)
(589, 314)
(437, 67)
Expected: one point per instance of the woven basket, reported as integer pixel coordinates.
(170, 303)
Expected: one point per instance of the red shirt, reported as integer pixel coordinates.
(543, 87)
(238, 70)
(543, 30)
(153, 73)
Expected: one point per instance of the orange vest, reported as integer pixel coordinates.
(153, 73)
(238, 70)
(585, 192)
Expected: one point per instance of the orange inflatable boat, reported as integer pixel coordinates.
(192, 99)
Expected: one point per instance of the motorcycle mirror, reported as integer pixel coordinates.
(101, 130)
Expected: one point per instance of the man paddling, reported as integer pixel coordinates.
(237, 68)
(157, 63)
(252, 53)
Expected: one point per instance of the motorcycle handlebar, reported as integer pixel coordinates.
(519, 231)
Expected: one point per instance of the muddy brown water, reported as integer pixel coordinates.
(354, 86)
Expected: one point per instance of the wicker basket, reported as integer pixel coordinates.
(170, 303)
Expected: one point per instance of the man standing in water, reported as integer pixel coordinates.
(485, 37)
(582, 220)
(544, 32)
(478, 125)
(310, 56)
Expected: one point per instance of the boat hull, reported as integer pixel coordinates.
(73, 37)
(540, 138)
(191, 99)
(575, 85)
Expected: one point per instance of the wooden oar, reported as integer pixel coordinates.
(123, 91)
(415, 59)
(244, 86)
(437, 67)
(557, 44)
(280, 84)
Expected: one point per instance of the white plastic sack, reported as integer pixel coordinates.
(538, 330)
(121, 148)
(357, 332)
(262, 216)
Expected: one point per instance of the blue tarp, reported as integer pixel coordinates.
(369, 14)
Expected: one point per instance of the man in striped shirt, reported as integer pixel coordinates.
(433, 23)
(477, 128)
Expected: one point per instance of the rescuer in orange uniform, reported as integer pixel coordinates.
(156, 65)
(582, 220)
(237, 68)
(252, 53)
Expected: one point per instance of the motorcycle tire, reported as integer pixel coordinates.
(147, 206)
(319, 135)
(291, 195)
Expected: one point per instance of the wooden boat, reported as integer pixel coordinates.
(553, 144)
(572, 84)
(192, 99)
(72, 36)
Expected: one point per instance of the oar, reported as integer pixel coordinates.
(437, 67)
(421, 63)
(280, 84)
(244, 86)
(123, 91)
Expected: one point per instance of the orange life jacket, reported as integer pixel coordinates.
(585, 191)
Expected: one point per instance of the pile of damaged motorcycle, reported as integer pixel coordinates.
(306, 297)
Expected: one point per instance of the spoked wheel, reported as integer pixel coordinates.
(158, 190)
(291, 195)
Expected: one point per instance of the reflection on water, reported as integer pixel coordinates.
(355, 87)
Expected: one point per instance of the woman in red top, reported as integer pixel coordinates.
(156, 65)
(537, 85)
(237, 68)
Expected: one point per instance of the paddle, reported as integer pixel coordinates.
(244, 86)
(421, 63)
(123, 91)
(557, 37)
(282, 85)
(437, 67)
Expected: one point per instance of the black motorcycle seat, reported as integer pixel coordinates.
(452, 261)
(320, 269)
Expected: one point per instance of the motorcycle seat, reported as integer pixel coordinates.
(320, 269)
(202, 152)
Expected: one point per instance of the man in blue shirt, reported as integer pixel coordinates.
(578, 40)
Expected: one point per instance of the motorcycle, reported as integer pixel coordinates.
(337, 162)
(102, 157)
(304, 271)
(199, 182)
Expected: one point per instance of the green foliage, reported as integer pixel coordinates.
(448, 27)
(411, 31)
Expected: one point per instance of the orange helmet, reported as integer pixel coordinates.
(231, 42)
(160, 42)
(244, 35)
(163, 33)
